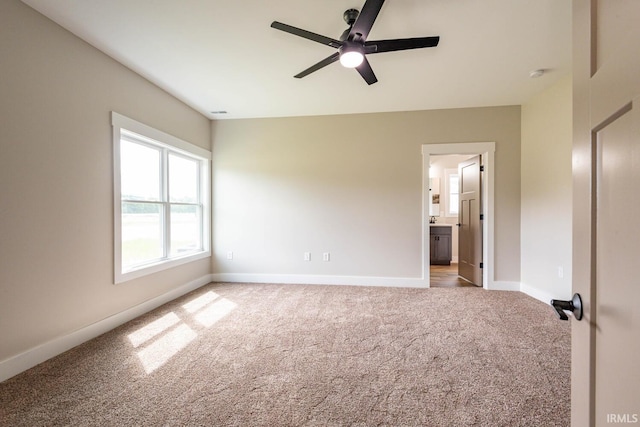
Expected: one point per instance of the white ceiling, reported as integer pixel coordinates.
(222, 54)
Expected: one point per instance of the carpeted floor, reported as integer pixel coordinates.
(290, 355)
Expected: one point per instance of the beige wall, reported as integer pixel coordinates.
(56, 230)
(349, 185)
(547, 191)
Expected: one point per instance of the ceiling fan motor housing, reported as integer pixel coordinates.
(350, 16)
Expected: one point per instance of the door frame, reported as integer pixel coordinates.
(487, 152)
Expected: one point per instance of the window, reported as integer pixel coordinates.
(452, 188)
(161, 199)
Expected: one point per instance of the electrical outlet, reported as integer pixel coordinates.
(560, 272)
(230, 255)
(307, 256)
(326, 256)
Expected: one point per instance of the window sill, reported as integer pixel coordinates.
(148, 269)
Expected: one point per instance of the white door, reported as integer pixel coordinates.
(606, 344)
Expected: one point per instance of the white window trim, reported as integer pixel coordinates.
(124, 125)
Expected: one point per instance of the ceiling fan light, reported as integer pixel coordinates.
(351, 58)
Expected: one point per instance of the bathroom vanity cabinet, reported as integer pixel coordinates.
(440, 244)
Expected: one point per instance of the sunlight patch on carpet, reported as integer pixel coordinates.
(154, 328)
(168, 335)
(200, 302)
(157, 354)
(214, 312)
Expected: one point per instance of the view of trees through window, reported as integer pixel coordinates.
(160, 204)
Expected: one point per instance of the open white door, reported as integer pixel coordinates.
(605, 378)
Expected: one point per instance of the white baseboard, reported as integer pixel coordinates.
(309, 279)
(536, 293)
(32, 357)
(501, 285)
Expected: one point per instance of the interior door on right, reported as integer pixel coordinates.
(605, 378)
(617, 292)
(469, 222)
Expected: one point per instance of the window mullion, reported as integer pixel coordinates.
(200, 208)
(166, 238)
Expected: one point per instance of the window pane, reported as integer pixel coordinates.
(185, 229)
(139, 171)
(453, 184)
(453, 203)
(141, 233)
(454, 197)
(183, 179)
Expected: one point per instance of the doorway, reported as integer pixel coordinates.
(455, 200)
(447, 275)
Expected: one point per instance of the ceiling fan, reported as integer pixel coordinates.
(353, 44)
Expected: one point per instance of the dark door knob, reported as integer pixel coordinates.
(574, 306)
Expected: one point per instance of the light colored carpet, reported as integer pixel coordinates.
(289, 355)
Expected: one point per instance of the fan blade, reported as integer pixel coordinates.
(327, 41)
(366, 72)
(366, 18)
(379, 46)
(329, 60)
